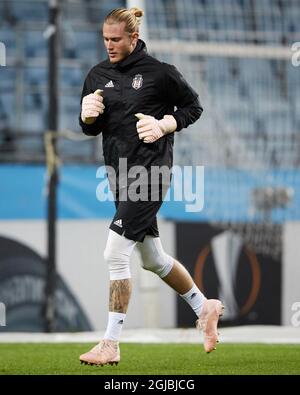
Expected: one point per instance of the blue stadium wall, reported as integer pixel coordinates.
(24, 192)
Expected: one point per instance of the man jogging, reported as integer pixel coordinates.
(137, 103)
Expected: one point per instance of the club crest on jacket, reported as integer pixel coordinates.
(137, 81)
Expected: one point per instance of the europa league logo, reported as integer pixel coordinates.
(226, 249)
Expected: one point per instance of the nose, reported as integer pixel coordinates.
(110, 45)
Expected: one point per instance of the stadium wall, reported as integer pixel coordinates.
(80, 245)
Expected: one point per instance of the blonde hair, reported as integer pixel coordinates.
(131, 18)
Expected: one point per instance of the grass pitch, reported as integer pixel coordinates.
(152, 359)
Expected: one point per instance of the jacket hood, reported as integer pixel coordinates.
(139, 52)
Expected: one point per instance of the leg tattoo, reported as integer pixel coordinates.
(119, 295)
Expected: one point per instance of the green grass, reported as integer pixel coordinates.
(152, 359)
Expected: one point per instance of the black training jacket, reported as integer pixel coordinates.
(139, 84)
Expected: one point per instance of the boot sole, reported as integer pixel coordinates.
(99, 364)
(220, 311)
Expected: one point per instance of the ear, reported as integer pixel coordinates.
(134, 37)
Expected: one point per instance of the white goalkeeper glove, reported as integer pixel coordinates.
(92, 105)
(151, 129)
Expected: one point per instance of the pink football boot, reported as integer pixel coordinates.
(106, 352)
(212, 310)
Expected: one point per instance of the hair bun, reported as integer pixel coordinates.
(137, 12)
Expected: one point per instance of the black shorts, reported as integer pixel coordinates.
(136, 219)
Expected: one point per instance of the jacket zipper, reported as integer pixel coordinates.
(122, 87)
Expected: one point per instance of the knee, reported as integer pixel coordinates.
(110, 255)
(115, 257)
(160, 264)
(118, 264)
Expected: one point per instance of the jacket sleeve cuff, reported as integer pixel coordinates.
(90, 130)
(178, 121)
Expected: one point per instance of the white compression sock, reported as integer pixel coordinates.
(195, 298)
(114, 326)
